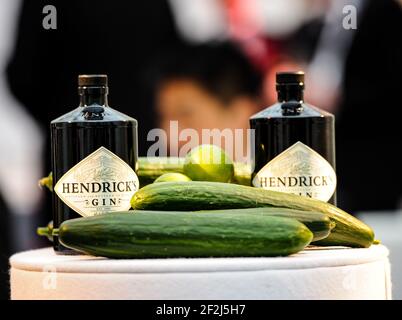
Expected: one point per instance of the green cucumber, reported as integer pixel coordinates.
(318, 223)
(183, 234)
(199, 195)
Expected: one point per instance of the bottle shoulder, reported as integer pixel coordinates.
(109, 115)
(275, 111)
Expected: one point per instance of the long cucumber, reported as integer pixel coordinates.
(198, 195)
(183, 234)
(318, 223)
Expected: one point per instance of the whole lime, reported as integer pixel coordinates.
(208, 163)
(172, 176)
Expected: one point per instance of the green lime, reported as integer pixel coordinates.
(172, 176)
(208, 163)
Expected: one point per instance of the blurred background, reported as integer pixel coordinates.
(207, 64)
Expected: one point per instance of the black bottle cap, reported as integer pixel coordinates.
(92, 80)
(290, 77)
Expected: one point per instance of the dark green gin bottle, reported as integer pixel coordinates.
(94, 157)
(294, 147)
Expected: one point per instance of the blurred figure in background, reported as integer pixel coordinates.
(20, 157)
(265, 30)
(211, 86)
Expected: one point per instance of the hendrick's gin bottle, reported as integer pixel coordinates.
(94, 157)
(294, 144)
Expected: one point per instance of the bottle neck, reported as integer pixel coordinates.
(290, 92)
(93, 95)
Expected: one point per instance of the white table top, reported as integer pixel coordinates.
(314, 257)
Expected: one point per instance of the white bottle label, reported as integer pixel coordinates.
(100, 183)
(299, 170)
